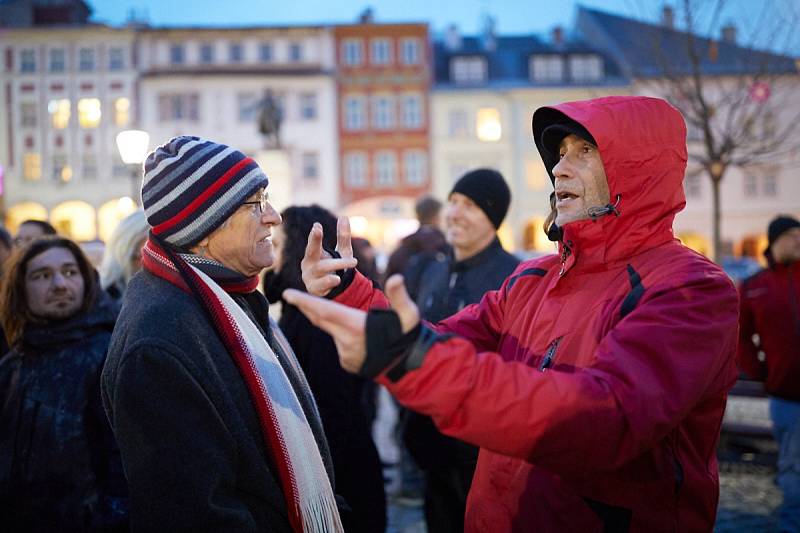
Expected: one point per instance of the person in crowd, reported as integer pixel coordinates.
(595, 380)
(769, 322)
(122, 257)
(424, 245)
(30, 230)
(476, 206)
(6, 246)
(217, 427)
(60, 468)
(339, 395)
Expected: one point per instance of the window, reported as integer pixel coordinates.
(236, 53)
(32, 166)
(409, 51)
(693, 186)
(295, 52)
(585, 68)
(89, 112)
(412, 111)
(118, 168)
(354, 115)
(206, 53)
(352, 52)
(59, 110)
(458, 123)
(383, 112)
(488, 125)
(86, 59)
(89, 167)
(546, 68)
(57, 60)
(248, 107)
(116, 59)
(27, 61)
(414, 166)
(385, 169)
(27, 112)
(381, 52)
(265, 52)
(769, 185)
(122, 111)
(308, 106)
(355, 169)
(468, 69)
(176, 54)
(178, 107)
(310, 165)
(62, 172)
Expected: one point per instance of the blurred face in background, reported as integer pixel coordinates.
(28, 233)
(54, 285)
(467, 228)
(786, 248)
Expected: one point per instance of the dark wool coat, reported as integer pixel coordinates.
(190, 439)
(59, 465)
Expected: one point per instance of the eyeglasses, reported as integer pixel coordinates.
(262, 203)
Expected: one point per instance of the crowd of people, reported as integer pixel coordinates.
(579, 390)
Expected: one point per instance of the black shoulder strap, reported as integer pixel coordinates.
(634, 295)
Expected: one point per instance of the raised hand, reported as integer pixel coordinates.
(318, 267)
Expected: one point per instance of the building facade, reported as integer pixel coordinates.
(383, 82)
(66, 91)
(214, 83)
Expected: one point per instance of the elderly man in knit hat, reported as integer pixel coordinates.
(215, 422)
(476, 206)
(769, 322)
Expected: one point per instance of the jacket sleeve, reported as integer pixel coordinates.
(178, 454)
(747, 354)
(362, 294)
(650, 370)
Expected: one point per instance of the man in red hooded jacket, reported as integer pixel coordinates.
(594, 381)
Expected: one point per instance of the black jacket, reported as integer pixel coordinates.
(339, 395)
(60, 468)
(190, 439)
(447, 286)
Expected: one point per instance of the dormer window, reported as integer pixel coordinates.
(585, 67)
(468, 69)
(546, 68)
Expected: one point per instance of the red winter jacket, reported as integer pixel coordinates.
(595, 386)
(771, 307)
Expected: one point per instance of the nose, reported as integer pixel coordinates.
(58, 280)
(271, 216)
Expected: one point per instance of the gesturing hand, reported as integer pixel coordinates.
(347, 325)
(318, 267)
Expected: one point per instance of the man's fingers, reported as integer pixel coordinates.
(328, 266)
(344, 243)
(402, 303)
(314, 244)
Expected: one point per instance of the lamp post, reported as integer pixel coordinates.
(132, 146)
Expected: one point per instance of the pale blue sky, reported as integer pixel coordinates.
(512, 16)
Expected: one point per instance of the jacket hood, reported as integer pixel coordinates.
(642, 143)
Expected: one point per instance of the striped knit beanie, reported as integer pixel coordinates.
(191, 186)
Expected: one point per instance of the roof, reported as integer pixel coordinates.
(508, 59)
(650, 50)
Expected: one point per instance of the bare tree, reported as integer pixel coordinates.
(735, 97)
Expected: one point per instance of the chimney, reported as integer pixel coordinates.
(367, 16)
(667, 17)
(558, 36)
(729, 33)
(488, 38)
(452, 39)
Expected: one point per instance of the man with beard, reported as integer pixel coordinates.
(59, 464)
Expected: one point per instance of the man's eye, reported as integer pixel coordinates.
(561, 155)
(70, 272)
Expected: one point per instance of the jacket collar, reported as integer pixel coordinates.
(477, 259)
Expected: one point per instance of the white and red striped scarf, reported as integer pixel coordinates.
(311, 504)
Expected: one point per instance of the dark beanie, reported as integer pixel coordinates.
(488, 189)
(550, 126)
(191, 186)
(555, 133)
(779, 226)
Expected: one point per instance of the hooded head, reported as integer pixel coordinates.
(642, 144)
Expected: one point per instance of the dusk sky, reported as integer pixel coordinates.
(511, 16)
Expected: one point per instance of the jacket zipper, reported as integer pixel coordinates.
(566, 250)
(549, 355)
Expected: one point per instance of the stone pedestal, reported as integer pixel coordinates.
(275, 164)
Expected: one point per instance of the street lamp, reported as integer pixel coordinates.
(132, 146)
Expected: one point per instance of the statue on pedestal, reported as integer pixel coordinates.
(270, 117)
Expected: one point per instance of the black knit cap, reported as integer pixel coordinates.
(780, 225)
(488, 189)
